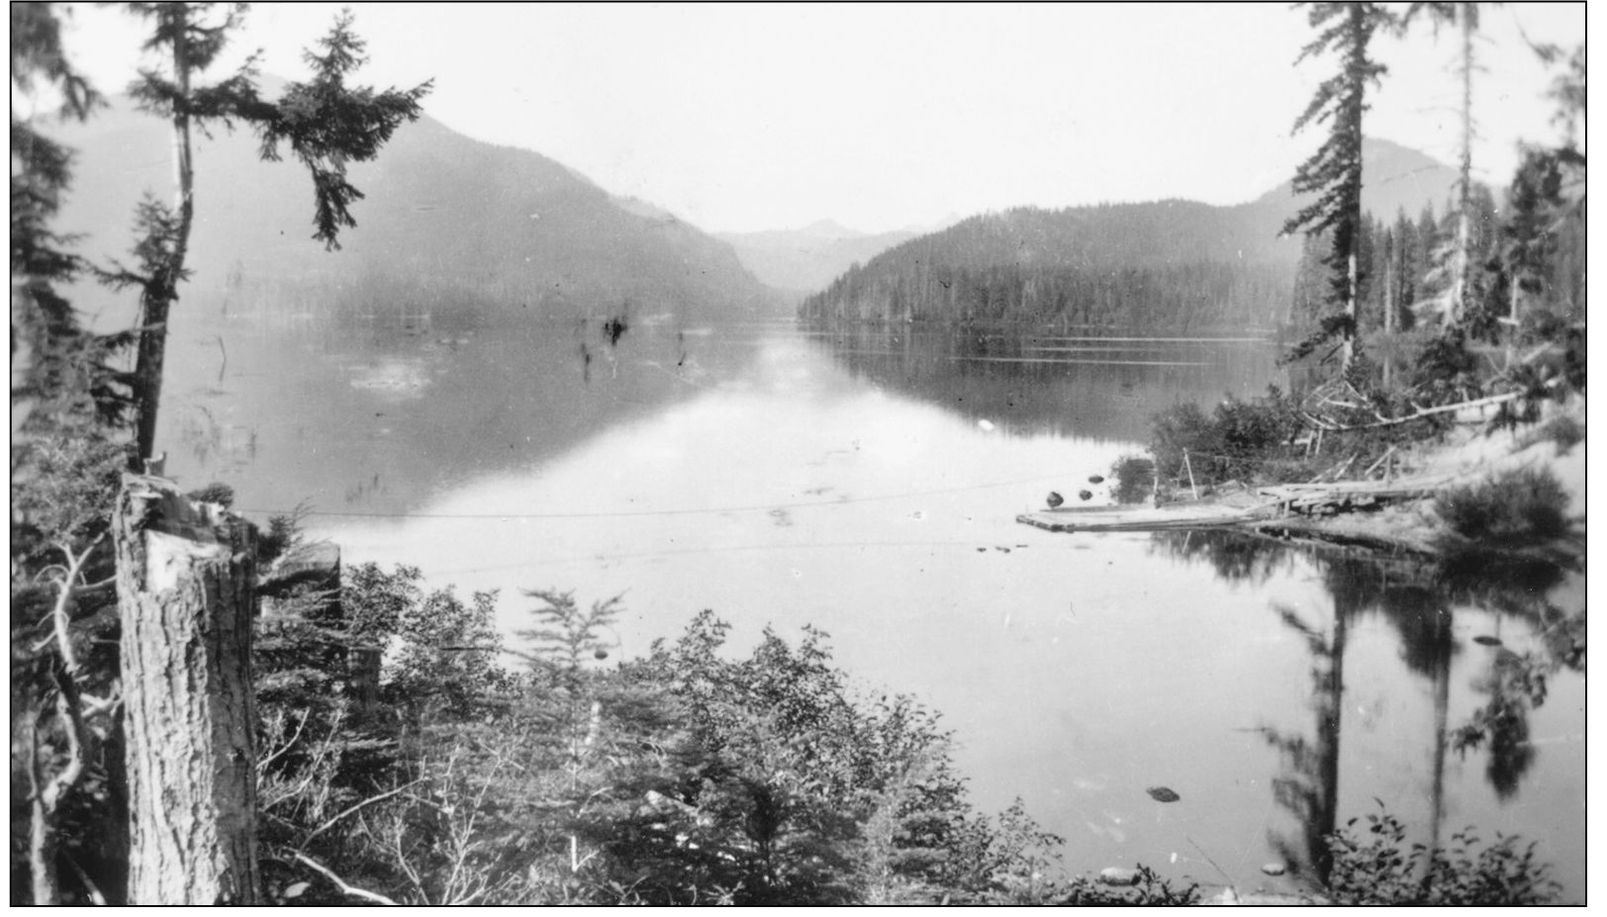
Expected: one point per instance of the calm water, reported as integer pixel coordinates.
(868, 484)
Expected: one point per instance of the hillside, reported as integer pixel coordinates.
(1165, 265)
(462, 230)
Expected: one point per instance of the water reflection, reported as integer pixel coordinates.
(1420, 599)
(1103, 387)
(379, 420)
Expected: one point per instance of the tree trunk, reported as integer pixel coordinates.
(185, 584)
(1462, 261)
(1348, 351)
(161, 289)
(1391, 268)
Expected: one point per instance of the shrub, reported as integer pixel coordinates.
(1181, 428)
(1150, 891)
(1565, 430)
(1135, 478)
(1235, 441)
(1526, 504)
(1377, 866)
(1446, 371)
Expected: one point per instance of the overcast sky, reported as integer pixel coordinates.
(743, 118)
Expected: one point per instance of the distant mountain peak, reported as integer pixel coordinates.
(1394, 178)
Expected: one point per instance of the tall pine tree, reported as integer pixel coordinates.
(1334, 172)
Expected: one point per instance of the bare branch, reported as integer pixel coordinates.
(340, 883)
(354, 808)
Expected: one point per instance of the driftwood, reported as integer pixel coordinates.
(1416, 415)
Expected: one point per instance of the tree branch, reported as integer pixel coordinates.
(367, 802)
(340, 883)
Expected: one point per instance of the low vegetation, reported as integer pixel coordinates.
(1375, 865)
(1514, 508)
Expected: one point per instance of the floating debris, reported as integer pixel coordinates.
(1162, 794)
(1055, 499)
(1096, 479)
(1486, 640)
(1274, 869)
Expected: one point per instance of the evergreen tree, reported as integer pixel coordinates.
(1546, 206)
(1334, 172)
(68, 409)
(326, 124)
(1458, 258)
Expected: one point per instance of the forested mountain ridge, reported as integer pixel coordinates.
(453, 226)
(1164, 265)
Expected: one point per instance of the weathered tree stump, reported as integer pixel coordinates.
(185, 585)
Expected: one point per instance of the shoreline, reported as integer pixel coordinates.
(1469, 456)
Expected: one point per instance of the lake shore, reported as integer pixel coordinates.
(1399, 515)
(1468, 456)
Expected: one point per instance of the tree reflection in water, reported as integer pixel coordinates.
(1418, 597)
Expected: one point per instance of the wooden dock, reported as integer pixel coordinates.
(1144, 518)
(1285, 501)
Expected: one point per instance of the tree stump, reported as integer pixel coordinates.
(186, 590)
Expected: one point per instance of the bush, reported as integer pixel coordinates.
(1235, 442)
(1150, 891)
(1565, 430)
(1178, 429)
(1135, 478)
(1378, 867)
(1522, 505)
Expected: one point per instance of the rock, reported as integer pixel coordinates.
(1162, 794)
(1274, 869)
(1116, 875)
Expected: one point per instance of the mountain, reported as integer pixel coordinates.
(1395, 178)
(451, 227)
(1162, 265)
(801, 261)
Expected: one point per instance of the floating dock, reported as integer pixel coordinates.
(1145, 518)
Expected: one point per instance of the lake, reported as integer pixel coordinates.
(867, 483)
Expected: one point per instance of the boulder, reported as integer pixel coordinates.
(1116, 875)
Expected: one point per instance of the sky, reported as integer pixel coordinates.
(751, 117)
